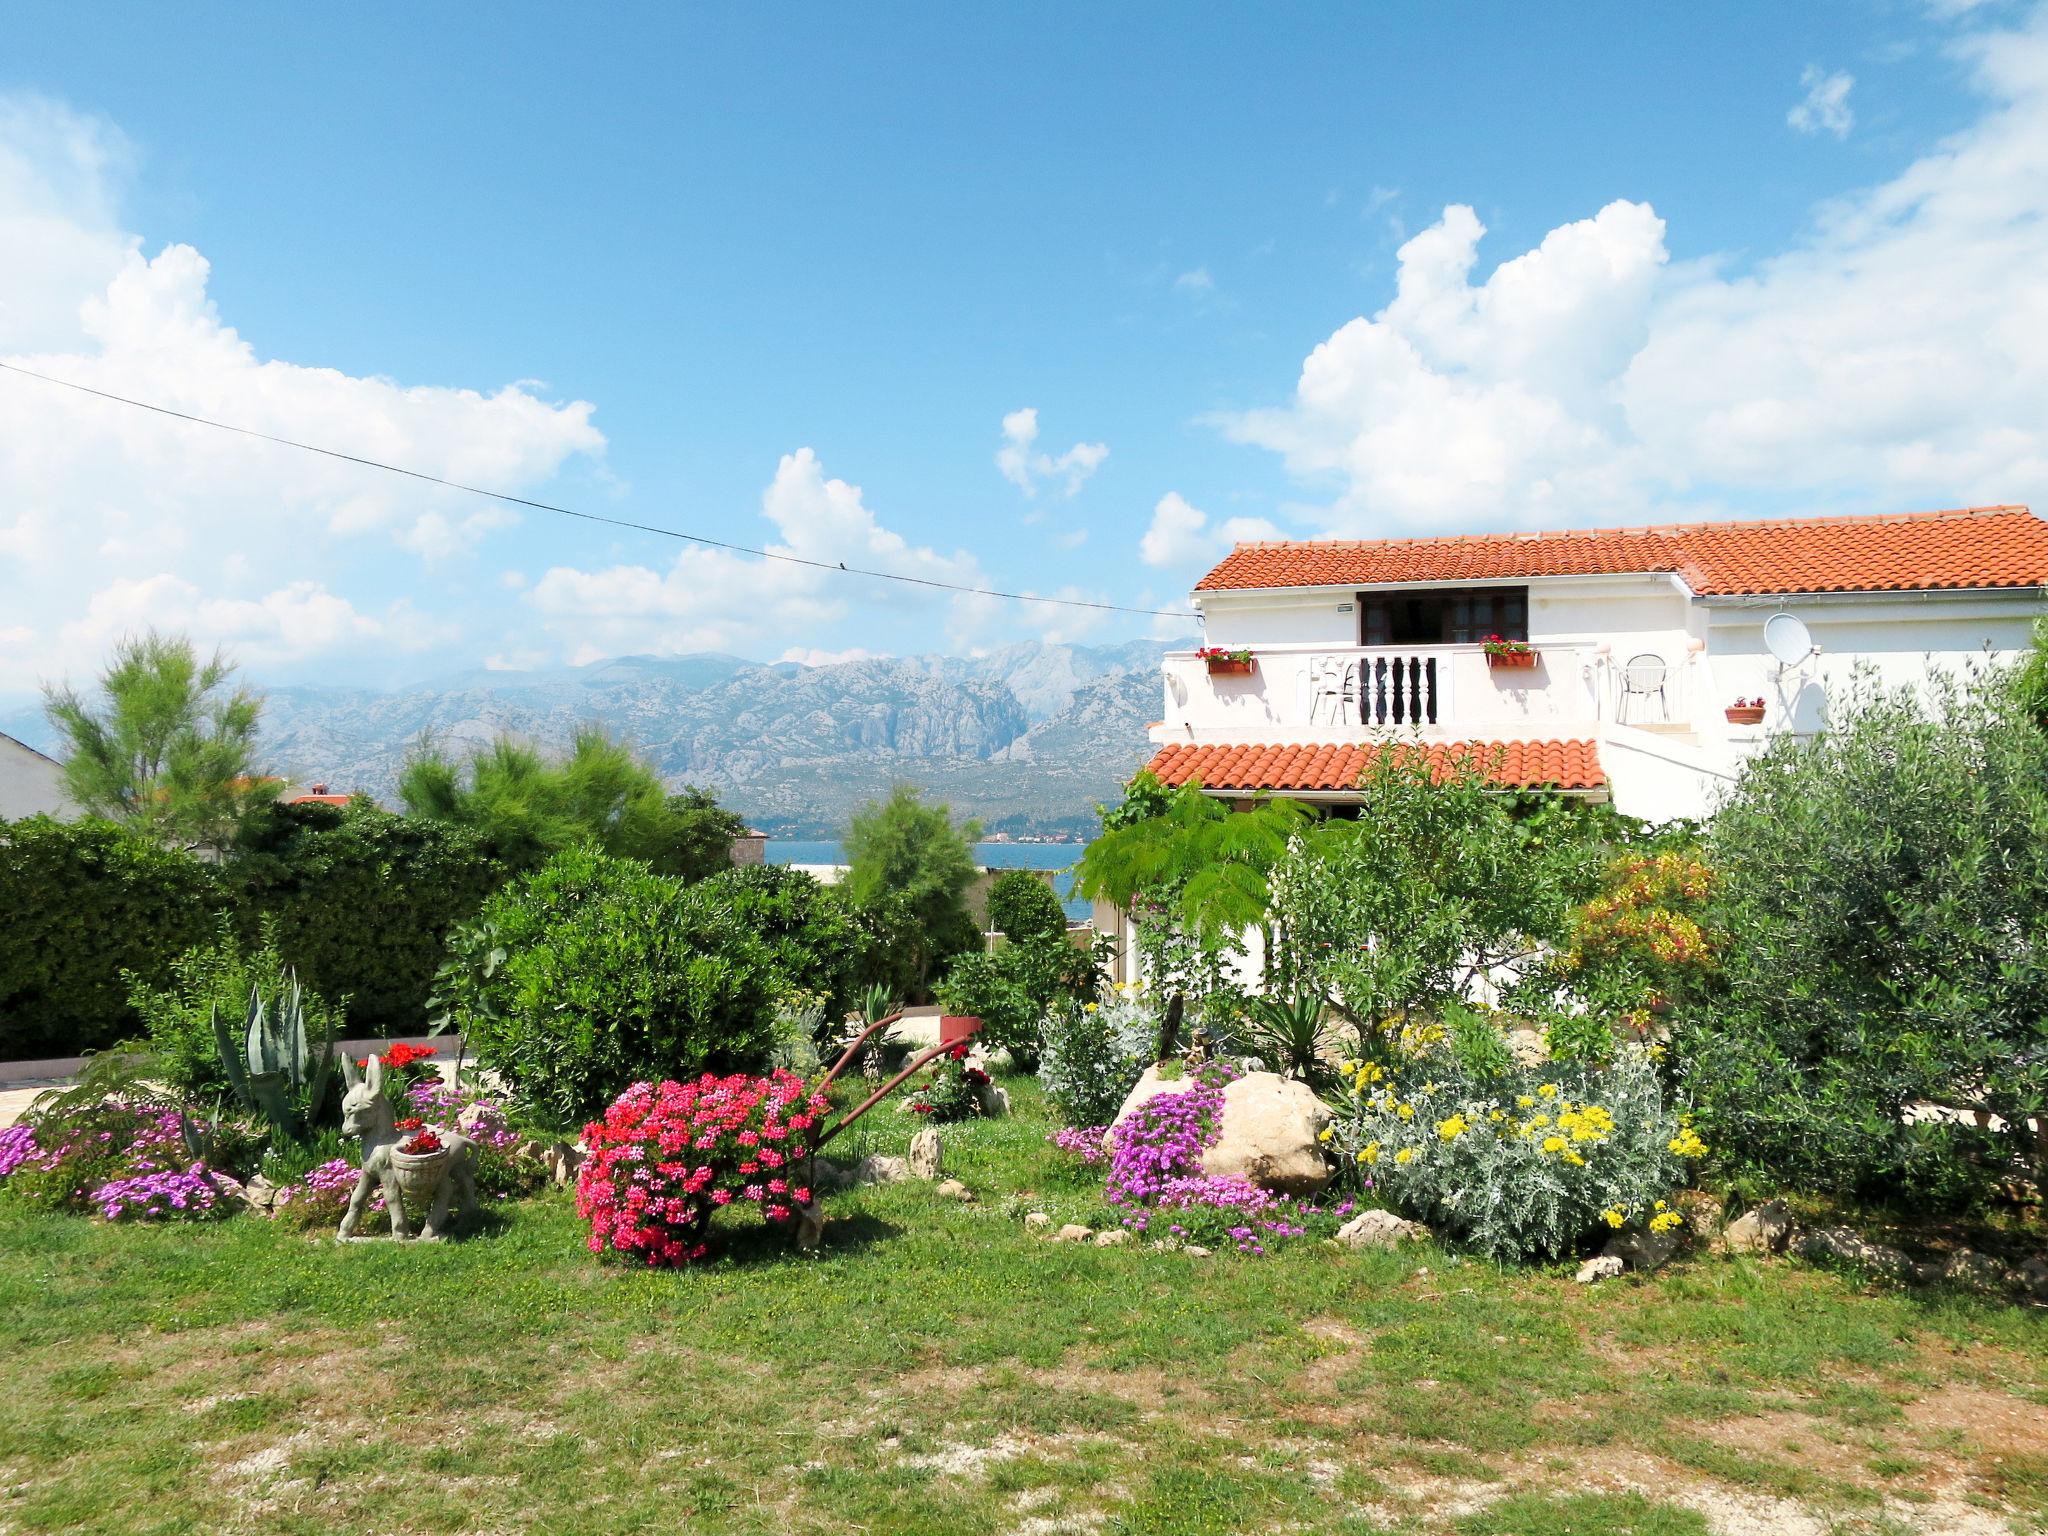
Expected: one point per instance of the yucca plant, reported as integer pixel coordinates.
(1290, 1035)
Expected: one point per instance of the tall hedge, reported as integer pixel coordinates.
(362, 901)
(80, 902)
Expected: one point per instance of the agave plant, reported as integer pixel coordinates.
(1290, 1034)
(273, 1070)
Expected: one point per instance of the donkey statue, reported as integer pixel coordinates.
(365, 1112)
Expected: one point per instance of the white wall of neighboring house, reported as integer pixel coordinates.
(30, 783)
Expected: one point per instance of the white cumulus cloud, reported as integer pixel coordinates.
(112, 518)
(1181, 534)
(715, 599)
(1895, 356)
(1025, 465)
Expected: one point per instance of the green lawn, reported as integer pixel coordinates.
(936, 1369)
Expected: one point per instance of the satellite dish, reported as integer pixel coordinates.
(1787, 639)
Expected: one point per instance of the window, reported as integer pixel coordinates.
(1443, 616)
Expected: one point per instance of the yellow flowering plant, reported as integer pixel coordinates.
(1526, 1163)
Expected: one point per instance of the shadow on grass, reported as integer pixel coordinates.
(763, 1244)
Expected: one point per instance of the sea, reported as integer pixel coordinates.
(1055, 856)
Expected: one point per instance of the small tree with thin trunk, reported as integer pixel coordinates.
(169, 747)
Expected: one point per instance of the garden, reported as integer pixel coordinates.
(1557, 1174)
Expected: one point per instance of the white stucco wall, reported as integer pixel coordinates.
(30, 783)
(1665, 757)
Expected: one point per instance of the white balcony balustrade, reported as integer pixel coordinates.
(1312, 692)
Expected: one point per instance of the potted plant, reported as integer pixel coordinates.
(1223, 662)
(958, 1028)
(1508, 653)
(1746, 712)
(419, 1161)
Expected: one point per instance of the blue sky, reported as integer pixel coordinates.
(786, 278)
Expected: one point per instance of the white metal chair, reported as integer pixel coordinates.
(1644, 677)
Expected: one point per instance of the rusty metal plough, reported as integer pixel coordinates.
(811, 1220)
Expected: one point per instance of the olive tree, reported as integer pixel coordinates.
(1882, 1006)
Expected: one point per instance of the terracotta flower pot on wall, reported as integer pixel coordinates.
(1511, 660)
(1745, 714)
(955, 1027)
(1223, 666)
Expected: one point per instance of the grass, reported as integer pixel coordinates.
(936, 1368)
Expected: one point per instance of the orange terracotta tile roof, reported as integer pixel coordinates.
(1907, 552)
(1303, 766)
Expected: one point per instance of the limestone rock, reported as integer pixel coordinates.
(1380, 1229)
(1841, 1245)
(826, 1173)
(1116, 1237)
(1637, 1247)
(953, 1189)
(1705, 1217)
(2034, 1276)
(1978, 1271)
(927, 1154)
(1767, 1229)
(1195, 1251)
(563, 1159)
(259, 1194)
(472, 1115)
(1606, 1267)
(878, 1169)
(995, 1101)
(1270, 1124)
(810, 1227)
(1072, 1232)
(1037, 1221)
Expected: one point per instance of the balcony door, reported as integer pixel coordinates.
(1443, 616)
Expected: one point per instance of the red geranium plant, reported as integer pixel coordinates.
(667, 1155)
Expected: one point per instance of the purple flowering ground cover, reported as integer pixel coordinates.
(940, 1368)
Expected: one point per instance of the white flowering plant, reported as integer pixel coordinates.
(1091, 1054)
(1527, 1163)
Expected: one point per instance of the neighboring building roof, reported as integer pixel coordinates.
(1299, 766)
(317, 795)
(1908, 552)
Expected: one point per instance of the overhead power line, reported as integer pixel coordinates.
(833, 567)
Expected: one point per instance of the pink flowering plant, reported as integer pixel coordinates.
(1157, 1187)
(668, 1156)
(318, 1196)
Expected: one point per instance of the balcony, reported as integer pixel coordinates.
(1313, 692)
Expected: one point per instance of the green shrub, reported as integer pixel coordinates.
(1883, 892)
(1525, 1163)
(1021, 906)
(177, 1017)
(614, 975)
(982, 987)
(362, 902)
(1013, 989)
(807, 928)
(81, 904)
(1091, 1056)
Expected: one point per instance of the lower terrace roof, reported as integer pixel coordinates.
(1326, 767)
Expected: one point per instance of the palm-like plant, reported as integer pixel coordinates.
(1207, 864)
(1290, 1034)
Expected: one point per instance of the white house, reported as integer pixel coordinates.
(31, 784)
(1642, 640)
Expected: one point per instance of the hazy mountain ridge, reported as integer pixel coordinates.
(1028, 738)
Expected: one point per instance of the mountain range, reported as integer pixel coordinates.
(1027, 738)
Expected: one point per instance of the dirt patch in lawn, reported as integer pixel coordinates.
(1998, 1423)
